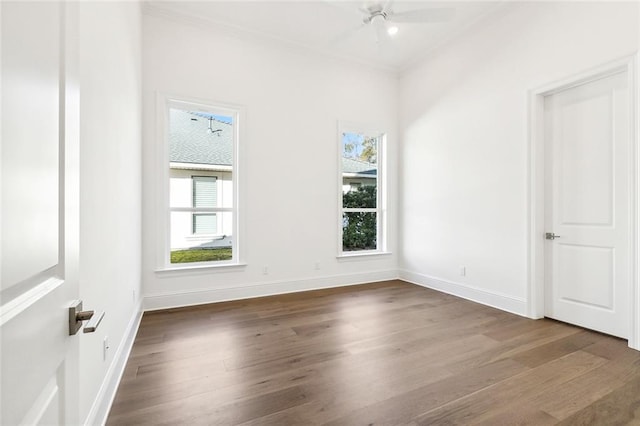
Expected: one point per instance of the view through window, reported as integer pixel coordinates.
(201, 185)
(361, 210)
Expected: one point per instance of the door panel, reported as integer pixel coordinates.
(39, 213)
(586, 160)
(30, 133)
(592, 268)
(26, 370)
(587, 178)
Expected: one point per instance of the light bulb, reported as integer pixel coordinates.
(392, 30)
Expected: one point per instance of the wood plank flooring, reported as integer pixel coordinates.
(387, 353)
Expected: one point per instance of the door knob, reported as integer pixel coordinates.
(77, 316)
(551, 236)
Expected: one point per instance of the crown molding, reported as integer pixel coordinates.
(258, 37)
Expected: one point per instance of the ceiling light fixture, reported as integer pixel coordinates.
(393, 30)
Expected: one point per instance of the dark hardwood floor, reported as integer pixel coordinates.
(387, 353)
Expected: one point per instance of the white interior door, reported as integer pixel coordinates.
(39, 214)
(587, 201)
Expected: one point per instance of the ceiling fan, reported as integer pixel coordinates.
(382, 19)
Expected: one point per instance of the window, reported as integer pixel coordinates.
(362, 222)
(202, 174)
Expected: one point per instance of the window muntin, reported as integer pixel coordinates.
(202, 145)
(362, 220)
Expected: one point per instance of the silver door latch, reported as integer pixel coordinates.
(551, 236)
(77, 315)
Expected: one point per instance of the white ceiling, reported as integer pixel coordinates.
(333, 27)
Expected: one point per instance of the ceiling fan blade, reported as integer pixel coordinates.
(345, 6)
(388, 6)
(423, 15)
(378, 30)
(346, 34)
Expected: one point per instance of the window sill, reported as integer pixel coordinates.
(198, 268)
(362, 255)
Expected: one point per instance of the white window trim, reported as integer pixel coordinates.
(163, 232)
(381, 182)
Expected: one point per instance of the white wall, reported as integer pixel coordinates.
(464, 152)
(110, 189)
(289, 189)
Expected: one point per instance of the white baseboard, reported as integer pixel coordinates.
(199, 297)
(102, 404)
(504, 302)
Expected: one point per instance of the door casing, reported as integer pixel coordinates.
(536, 187)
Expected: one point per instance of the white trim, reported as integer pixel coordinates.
(360, 175)
(164, 101)
(360, 210)
(101, 407)
(202, 210)
(265, 39)
(210, 266)
(505, 302)
(204, 296)
(535, 243)
(381, 188)
(194, 166)
(634, 327)
(361, 255)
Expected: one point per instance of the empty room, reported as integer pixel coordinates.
(320, 212)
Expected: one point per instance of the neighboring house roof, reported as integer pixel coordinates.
(189, 141)
(351, 165)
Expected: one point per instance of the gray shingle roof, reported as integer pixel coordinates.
(350, 165)
(189, 141)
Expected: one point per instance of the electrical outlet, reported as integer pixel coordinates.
(463, 271)
(317, 265)
(265, 270)
(105, 348)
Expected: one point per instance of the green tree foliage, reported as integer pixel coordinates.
(359, 229)
(369, 151)
(364, 149)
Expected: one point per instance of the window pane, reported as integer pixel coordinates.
(359, 231)
(360, 147)
(200, 138)
(205, 223)
(363, 197)
(359, 170)
(201, 145)
(210, 245)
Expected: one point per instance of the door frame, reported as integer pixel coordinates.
(536, 187)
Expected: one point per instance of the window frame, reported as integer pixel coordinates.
(164, 104)
(381, 191)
